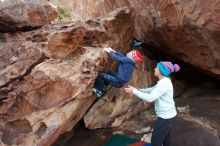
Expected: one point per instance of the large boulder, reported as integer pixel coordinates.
(47, 76)
(25, 14)
(117, 106)
(42, 97)
(186, 30)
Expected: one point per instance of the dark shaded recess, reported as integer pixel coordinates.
(188, 73)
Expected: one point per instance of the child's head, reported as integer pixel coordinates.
(166, 68)
(135, 55)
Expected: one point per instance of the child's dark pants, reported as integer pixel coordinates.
(104, 79)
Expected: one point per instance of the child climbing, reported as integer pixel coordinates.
(122, 76)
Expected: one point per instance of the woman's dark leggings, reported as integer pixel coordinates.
(162, 131)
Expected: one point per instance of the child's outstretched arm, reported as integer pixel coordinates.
(115, 55)
(108, 50)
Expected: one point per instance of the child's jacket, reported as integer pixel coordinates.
(125, 67)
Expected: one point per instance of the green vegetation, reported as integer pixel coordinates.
(63, 14)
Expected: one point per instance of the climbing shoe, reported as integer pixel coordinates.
(136, 43)
(97, 92)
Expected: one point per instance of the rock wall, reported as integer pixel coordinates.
(186, 30)
(34, 48)
(25, 15)
(47, 74)
(42, 97)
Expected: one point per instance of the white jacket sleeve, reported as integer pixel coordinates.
(157, 92)
(147, 90)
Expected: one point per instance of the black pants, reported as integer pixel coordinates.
(162, 131)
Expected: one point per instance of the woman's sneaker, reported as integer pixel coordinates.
(97, 92)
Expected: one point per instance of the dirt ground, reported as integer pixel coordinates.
(198, 126)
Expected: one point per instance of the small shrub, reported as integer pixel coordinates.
(63, 14)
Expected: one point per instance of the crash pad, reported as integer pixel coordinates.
(120, 140)
(140, 143)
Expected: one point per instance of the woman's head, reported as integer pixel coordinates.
(165, 68)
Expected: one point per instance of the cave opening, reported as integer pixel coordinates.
(188, 73)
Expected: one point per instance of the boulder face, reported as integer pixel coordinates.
(25, 14)
(117, 106)
(47, 75)
(186, 30)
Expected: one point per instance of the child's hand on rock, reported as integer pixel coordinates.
(108, 50)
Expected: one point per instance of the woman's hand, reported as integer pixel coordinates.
(129, 89)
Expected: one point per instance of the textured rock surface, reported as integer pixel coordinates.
(187, 30)
(47, 74)
(18, 56)
(43, 97)
(112, 107)
(49, 101)
(24, 14)
(117, 106)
